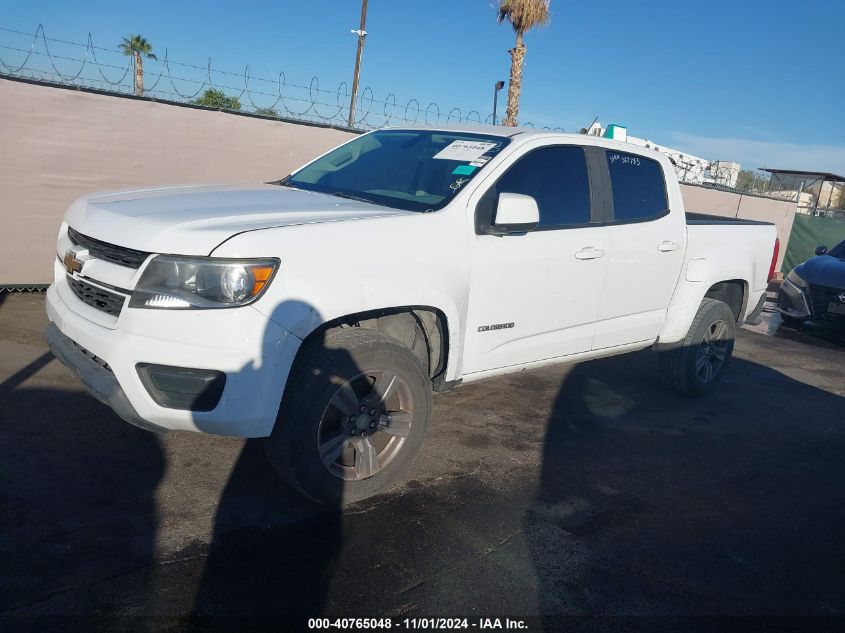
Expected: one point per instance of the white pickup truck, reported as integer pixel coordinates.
(321, 311)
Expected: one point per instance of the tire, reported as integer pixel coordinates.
(710, 341)
(320, 417)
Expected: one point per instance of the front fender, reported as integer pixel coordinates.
(335, 269)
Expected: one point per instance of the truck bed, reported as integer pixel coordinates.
(737, 248)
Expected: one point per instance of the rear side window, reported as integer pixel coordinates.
(556, 177)
(638, 187)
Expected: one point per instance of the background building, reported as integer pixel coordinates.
(688, 168)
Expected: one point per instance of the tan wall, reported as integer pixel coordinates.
(735, 205)
(57, 144)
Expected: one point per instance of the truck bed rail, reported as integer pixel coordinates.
(703, 218)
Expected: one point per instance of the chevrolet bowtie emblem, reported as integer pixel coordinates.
(72, 264)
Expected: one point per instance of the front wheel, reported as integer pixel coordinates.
(698, 364)
(354, 415)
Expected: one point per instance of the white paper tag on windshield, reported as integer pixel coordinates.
(464, 150)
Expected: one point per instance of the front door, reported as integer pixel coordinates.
(535, 295)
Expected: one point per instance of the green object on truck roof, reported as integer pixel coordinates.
(616, 132)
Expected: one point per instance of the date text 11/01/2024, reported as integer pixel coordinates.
(417, 623)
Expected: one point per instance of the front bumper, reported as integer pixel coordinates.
(99, 379)
(828, 302)
(792, 302)
(254, 353)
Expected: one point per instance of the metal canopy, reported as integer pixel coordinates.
(819, 175)
(816, 192)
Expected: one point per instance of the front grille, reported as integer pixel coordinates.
(109, 302)
(111, 253)
(821, 296)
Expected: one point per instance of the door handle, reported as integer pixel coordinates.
(667, 246)
(589, 253)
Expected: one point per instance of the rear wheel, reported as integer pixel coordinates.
(354, 415)
(698, 364)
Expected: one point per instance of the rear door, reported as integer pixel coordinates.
(646, 243)
(535, 295)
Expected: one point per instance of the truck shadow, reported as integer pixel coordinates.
(281, 548)
(272, 552)
(77, 491)
(650, 503)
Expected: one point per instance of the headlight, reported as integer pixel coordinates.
(184, 283)
(795, 279)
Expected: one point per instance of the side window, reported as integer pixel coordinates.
(637, 185)
(556, 177)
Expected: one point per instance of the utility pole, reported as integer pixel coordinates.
(362, 35)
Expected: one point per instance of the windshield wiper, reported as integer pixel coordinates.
(352, 196)
(285, 182)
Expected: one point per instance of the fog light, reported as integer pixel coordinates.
(182, 387)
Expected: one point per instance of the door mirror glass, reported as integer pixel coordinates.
(821, 250)
(515, 213)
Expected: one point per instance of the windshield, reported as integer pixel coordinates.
(414, 170)
(838, 250)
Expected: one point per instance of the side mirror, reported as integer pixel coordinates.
(821, 250)
(515, 213)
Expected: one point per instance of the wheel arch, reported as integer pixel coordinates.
(733, 292)
(423, 329)
(687, 300)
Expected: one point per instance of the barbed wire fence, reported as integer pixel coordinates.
(724, 175)
(35, 56)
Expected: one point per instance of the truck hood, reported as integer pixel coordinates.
(194, 220)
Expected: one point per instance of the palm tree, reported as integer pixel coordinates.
(138, 47)
(523, 16)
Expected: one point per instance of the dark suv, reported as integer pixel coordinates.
(815, 290)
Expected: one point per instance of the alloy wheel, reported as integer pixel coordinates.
(365, 424)
(712, 352)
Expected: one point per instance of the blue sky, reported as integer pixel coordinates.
(749, 80)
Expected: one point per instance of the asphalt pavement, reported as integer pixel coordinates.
(587, 493)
